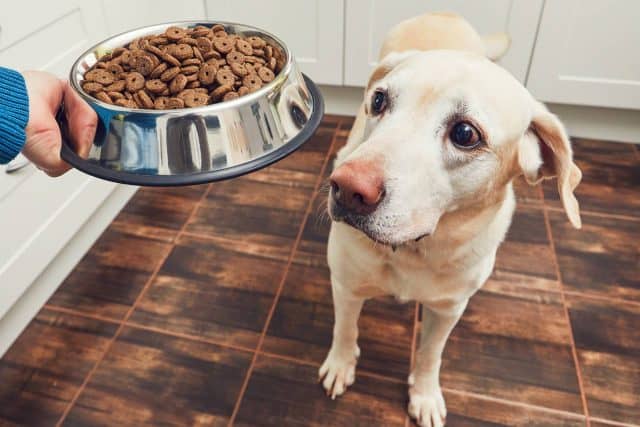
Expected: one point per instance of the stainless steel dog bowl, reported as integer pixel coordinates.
(196, 145)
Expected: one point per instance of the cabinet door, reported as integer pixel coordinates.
(312, 29)
(140, 13)
(368, 21)
(48, 35)
(587, 53)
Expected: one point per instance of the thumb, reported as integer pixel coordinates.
(82, 121)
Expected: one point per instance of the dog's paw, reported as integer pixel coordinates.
(338, 371)
(427, 408)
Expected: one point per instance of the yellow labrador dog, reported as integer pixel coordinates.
(421, 195)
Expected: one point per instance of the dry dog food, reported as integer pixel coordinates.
(183, 67)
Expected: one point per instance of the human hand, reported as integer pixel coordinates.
(44, 141)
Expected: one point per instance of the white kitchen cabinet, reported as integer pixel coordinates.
(587, 53)
(140, 13)
(368, 21)
(38, 214)
(312, 29)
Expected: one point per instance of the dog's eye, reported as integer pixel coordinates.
(378, 102)
(465, 135)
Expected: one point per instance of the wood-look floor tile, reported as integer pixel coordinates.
(152, 379)
(602, 258)
(214, 290)
(470, 411)
(111, 275)
(158, 213)
(610, 178)
(514, 343)
(41, 372)
(526, 193)
(283, 393)
(526, 249)
(607, 339)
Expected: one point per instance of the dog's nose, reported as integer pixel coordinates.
(358, 186)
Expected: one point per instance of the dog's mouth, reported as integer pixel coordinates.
(366, 225)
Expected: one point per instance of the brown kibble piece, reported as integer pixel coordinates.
(178, 84)
(144, 65)
(183, 51)
(252, 82)
(244, 47)
(191, 61)
(256, 42)
(193, 84)
(243, 90)
(239, 69)
(157, 72)
(225, 77)
(175, 33)
(174, 103)
(115, 95)
(218, 27)
(114, 69)
(102, 96)
(234, 56)
(223, 45)
(204, 44)
(117, 86)
(207, 74)
(220, 91)
(155, 86)
(100, 76)
(145, 99)
(195, 99)
(190, 69)
(135, 81)
(265, 74)
(127, 103)
(92, 87)
(230, 95)
(188, 40)
(170, 74)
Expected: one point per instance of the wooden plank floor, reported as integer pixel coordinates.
(211, 305)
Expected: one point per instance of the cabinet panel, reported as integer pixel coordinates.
(149, 12)
(586, 53)
(313, 30)
(368, 21)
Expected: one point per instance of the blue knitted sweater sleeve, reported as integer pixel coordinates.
(14, 114)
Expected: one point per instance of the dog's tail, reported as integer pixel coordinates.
(443, 30)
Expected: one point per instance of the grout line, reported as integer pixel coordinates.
(416, 324)
(512, 403)
(596, 297)
(78, 313)
(130, 311)
(276, 297)
(574, 350)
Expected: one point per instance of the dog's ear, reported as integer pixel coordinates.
(388, 63)
(545, 152)
(496, 45)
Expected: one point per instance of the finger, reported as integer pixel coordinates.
(82, 121)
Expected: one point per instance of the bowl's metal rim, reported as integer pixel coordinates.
(278, 81)
(253, 165)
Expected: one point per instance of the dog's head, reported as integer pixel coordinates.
(442, 131)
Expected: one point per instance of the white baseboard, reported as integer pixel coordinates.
(608, 124)
(30, 302)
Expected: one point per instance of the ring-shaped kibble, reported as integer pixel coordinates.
(230, 95)
(178, 84)
(144, 65)
(252, 81)
(92, 87)
(234, 56)
(195, 99)
(225, 77)
(265, 74)
(155, 86)
(207, 74)
(101, 76)
(169, 74)
(102, 96)
(145, 99)
(204, 44)
(220, 91)
(223, 45)
(239, 69)
(244, 47)
(160, 103)
(157, 72)
(183, 51)
(135, 81)
(117, 86)
(174, 103)
(175, 33)
(256, 42)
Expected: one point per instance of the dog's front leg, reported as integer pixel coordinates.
(426, 403)
(338, 369)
